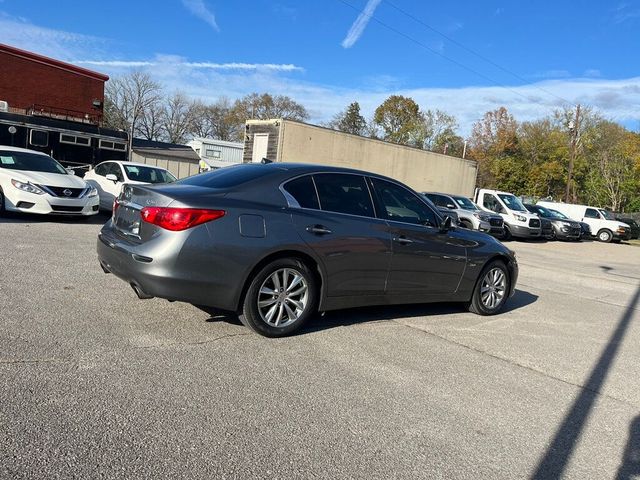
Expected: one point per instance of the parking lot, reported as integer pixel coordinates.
(96, 383)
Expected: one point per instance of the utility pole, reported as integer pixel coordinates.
(574, 129)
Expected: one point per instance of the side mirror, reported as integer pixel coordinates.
(445, 226)
(451, 206)
(71, 171)
(112, 177)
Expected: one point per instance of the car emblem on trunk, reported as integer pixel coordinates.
(67, 192)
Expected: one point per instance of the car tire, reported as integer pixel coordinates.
(3, 211)
(466, 224)
(507, 234)
(492, 289)
(605, 236)
(282, 289)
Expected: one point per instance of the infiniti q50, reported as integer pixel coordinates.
(278, 242)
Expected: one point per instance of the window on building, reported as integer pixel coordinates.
(111, 145)
(212, 153)
(39, 138)
(75, 139)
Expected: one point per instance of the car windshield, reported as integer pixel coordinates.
(512, 202)
(31, 162)
(138, 173)
(607, 215)
(465, 203)
(557, 214)
(541, 211)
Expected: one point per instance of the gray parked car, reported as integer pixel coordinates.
(469, 214)
(278, 242)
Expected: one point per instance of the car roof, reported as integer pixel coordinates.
(134, 164)
(5, 148)
(306, 168)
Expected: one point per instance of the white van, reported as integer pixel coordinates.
(518, 221)
(602, 223)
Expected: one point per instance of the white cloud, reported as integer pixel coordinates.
(200, 10)
(179, 62)
(20, 33)
(357, 29)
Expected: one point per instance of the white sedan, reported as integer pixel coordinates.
(33, 182)
(108, 177)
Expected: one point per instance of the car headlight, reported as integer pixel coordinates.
(27, 187)
(566, 224)
(93, 192)
(480, 216)
(521, 218)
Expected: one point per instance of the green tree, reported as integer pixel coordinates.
(494, 138)
(350, 121)
(399, 120)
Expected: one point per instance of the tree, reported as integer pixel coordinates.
(265, 106)
(437, 130)
(128, 98)
(350, 121)
(399, 118)
(177, 118)
(216, 120)
(494, 139)
(151, 122)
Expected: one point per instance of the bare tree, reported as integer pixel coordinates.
(128, 98)
(266, 106)
(216, 120)
(151, 122)
(177, 118)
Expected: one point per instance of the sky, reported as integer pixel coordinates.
(463, 57)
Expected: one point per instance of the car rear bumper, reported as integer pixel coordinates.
(153, 274)
(18, 201)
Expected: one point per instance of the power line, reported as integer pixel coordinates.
(441, 55)
(471, 51)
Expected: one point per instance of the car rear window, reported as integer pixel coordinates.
(229, 177)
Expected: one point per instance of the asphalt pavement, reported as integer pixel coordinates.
(95, 383)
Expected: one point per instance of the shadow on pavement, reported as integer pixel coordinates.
(558, 454)
(353, 316)
(21, 218)
(630, 466)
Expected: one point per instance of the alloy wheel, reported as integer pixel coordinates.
(493, 288)
(283, 297)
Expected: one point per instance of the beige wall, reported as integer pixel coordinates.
(177, 168)
(421, 170)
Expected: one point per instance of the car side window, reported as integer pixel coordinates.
(439, 200)
(102, 169)
(114, 168)
(344, 193)
(401, 205)
(491, 202)
(591, 213)
(303, 191)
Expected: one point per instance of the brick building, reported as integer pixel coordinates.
(56, 108)
(32, 82)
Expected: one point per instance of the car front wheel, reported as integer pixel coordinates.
(280, 299)
(605, 236)
(492, 289)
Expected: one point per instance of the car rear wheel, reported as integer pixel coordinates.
(280, 298)
(605, 236)
(492, 289)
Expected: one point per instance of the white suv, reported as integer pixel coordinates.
(33, 182)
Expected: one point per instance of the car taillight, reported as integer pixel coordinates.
(176, 219)
(115, 206)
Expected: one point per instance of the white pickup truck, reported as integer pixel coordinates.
(518, 221)
(603, 224)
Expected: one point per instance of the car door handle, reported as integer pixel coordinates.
(403, 240)
(318, 229)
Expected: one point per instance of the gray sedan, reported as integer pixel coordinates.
(278, 242)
